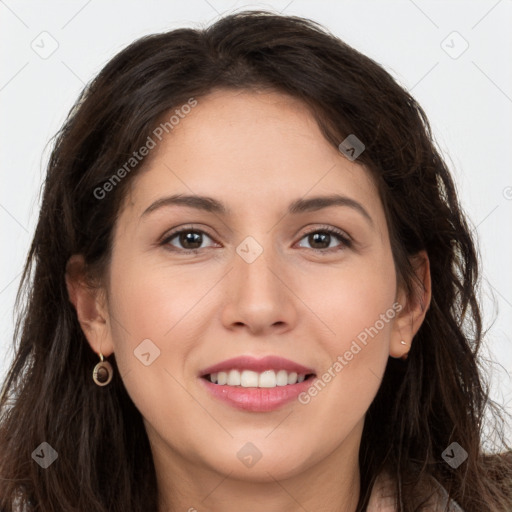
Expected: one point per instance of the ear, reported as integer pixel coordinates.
(414, 308)
(90, 305)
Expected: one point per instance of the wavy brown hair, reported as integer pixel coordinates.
(436, 397)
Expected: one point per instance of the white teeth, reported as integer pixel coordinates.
(267, 379)
(234, 378)
(251, 379)
(282, 378)
(292, 378)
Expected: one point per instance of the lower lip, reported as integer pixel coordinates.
(258, 399)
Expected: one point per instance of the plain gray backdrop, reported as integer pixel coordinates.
(454, 56)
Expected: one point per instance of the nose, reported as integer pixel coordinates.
(259, 296)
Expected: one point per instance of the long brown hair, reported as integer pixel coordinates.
(424, 404)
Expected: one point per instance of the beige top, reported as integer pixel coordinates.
(383, 498)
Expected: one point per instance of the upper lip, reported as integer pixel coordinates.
(257, 365)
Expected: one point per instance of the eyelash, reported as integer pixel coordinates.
(346, 242)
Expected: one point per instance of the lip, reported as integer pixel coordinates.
(257, 365)
(257, 399)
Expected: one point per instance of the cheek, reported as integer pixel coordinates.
(351, 300)
(151, 300)
(153, 311)
(152, 318)
(359, 308)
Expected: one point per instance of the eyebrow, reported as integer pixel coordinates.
(211, 205)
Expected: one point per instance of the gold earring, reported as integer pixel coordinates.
(103, 372)
(406, 355)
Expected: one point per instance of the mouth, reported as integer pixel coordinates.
(250, 379)
(249, 369)
(256, 399)
(257, 385)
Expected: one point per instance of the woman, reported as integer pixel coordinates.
(252, 287)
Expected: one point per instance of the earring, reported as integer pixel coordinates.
(406, 355)
(103, 372)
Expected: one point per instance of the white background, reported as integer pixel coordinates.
(467, 96)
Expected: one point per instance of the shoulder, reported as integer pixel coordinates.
(442, 499)
(383, 497)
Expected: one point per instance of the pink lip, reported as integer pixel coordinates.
(257, 399)
(257, 365)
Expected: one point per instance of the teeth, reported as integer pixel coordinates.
(267, 379)
(281, 378)
(234, 378)
(292, 378)
(251, 379)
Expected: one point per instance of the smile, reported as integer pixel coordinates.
(252, 379)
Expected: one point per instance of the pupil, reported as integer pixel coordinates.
(317, 236)
(188, 238)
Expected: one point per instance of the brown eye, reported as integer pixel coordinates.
(189, 240)
(320, 240)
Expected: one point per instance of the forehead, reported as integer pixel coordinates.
(251, 148)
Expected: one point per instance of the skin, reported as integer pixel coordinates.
(255, 152)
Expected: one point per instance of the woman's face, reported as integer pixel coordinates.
(266, 279)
